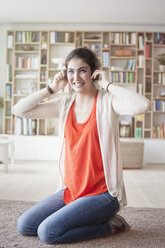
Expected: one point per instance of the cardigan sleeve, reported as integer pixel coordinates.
(34, 106)
(127, 102)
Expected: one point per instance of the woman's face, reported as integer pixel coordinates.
(79, 73)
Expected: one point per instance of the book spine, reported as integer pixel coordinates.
(8, 91)
(18, 126)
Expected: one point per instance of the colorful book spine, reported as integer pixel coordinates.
(23, 62)
(138, 132)
(159, 131)
(105, 59)
(159, 105)
(123, 77)
(8, 91)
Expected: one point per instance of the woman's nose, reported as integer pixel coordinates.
(76, 76)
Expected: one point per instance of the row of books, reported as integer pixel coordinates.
(159, 38)
(8, 92)
(130, 65)
(96, 48)
(138, 132)
(159, 131)
(61, 37)
(159, 105)
(26, 62)
(25, 126)
(159, 78)
(27, 37)
(123, 77)
(105, 59)
(123, 38)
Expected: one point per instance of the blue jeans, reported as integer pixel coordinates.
(55, 222)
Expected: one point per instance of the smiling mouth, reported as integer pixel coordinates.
(78, 85)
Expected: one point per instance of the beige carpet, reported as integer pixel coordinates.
(148, 230)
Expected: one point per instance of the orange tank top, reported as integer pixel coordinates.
(84, 173)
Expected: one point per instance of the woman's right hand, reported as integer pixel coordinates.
(59, 81)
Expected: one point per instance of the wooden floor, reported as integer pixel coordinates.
(33, 181)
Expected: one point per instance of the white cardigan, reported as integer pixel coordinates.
(108, 109)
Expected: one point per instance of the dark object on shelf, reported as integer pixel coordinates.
(161, 59)
(44, 60)
(125, 129)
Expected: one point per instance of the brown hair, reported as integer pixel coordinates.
(87, 55)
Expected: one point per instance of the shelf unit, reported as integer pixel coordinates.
(128, 59)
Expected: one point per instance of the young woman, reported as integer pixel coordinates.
(92, 189)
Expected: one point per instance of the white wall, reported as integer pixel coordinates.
(154, 151)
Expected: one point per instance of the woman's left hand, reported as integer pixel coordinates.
(99, 77)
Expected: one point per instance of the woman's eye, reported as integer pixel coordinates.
(69, 72)
(83, 71)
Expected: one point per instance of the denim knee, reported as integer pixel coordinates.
(45, 234)
(23, 227)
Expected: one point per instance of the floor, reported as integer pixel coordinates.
(34, 180)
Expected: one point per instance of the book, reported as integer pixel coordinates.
(105, 59)
(117, 38)
(25, 126)
(141, 61)
(159, 131)
(8, 73)
(130, 77)
(138, 132)
(10, 41)
(133, 38)
(18, 126)
(52, 37)
(141, 42)
(159, 105)
(26, 62)
(147, 50)
(163, 78)
(8, 91)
